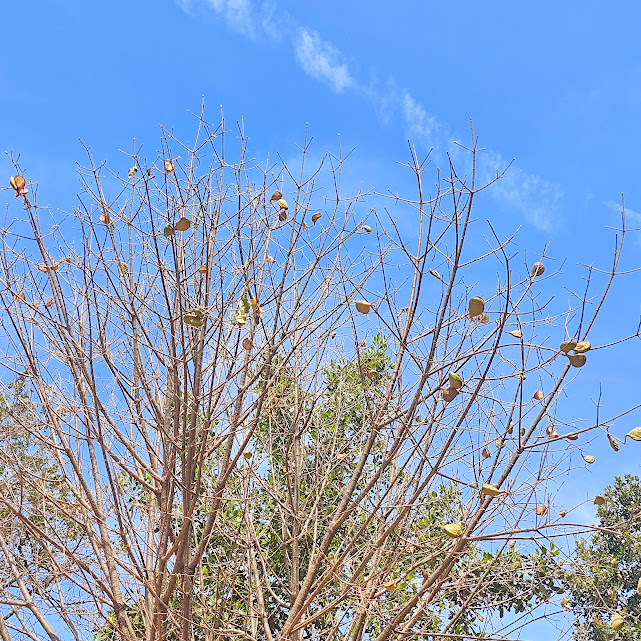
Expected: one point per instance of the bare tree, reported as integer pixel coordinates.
(268, 413)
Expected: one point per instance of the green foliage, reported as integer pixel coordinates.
(607, 570)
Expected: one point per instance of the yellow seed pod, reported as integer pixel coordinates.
(614, 444)
(123, 268)
(540, 510)
(183, 224)
(282, 203)
(617, 621)
(454, 530)
(498, 443)
(635, 434)
(455, 380)
(582, 347)
(168, 231)
(537, 269)
(517, 333)
(565, 603)
(363, 306)
(435, 273)
(277, 195)
(588, 458)
(563, 513)
(476, 306)
(599, 499)
(567, 346)
(367, 229)
(577, 360)
(491, 490)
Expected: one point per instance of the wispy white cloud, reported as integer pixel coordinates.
(321, 60)
(419, 122)
(536, 198)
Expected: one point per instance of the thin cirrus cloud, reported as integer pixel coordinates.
(536, 198)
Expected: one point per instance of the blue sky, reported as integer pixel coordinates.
(557, 86)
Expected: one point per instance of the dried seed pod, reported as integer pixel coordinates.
(435, 274)
(563, 513)
(49, 268)
(20, 296)
(363, 344)
(282, 203)
(635, 434)
(282, 215)
(486, 452)
(123, 269)
(484, 318)
(510, 427)
(271, 259)
(49, 302)
(538, 395)
(541, 510)
(491, 490)
(315, 217)
(454, 530)
(169, 166)
(522, 431)
(498, 443)
(248, 344)
(449, 394)
(567, 346)
(577, 360)
(332, 334)
(614, 444)
(455, 380)
(367, 229)
(363, 306)
(202, 269)
(183, 224)
(551, 432)
(639, 586)
(17, 182)
(572, 436)
(565, 603)
(599, 499)
(538, 269)
(277, 195)
(168, 231)
(517, 333)
(588, 458)
(132, 172)
(476, 306)
(192, 320)
(247, 454)
(617, 621)
(390, 586)
(104, 218)
(582, 347)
